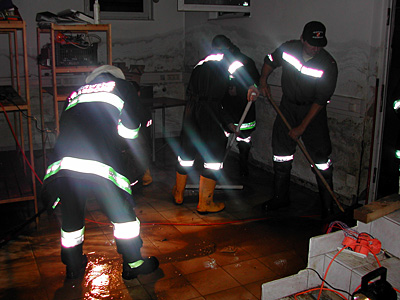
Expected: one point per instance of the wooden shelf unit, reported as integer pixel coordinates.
(58, 92)
(23, 186)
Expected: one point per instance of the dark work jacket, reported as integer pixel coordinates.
(90, 130)
(235, 100)
(210, 81)
(304, 83)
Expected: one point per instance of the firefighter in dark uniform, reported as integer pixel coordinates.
(309, 75)
(100, 121)
(235, 101)
(203, 125)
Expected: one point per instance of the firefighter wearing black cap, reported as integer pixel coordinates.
(100, 121)
(309, 75)
(235, 101)
(204, 122)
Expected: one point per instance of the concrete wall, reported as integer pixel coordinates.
(174, 41)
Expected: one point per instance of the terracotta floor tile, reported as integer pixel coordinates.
(212, 281)
(174, 288)
(137, 293)
(229, 255)
(180, 214)
(17, 254)
(19, 277)
(192, 228)
(165, 271)
(28, 293)
(284, 263)
(196, 265)
(249, 271)
(152, 218)
(255, 287)
(238, 293)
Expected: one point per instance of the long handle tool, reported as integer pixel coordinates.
(233, 138)
(303, 149)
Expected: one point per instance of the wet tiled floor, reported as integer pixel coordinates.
(227, 255)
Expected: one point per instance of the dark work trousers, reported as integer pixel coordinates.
(74, 192)
(316, 138)
(202, 135)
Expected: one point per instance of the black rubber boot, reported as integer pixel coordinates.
(149, 265)
(244, 151)
(74, 260)
(328, 206)
(281, 187)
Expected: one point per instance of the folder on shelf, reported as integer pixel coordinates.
(75, 15)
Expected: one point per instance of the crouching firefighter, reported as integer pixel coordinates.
(204, 122)
(100, 121)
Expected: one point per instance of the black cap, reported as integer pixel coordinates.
(314, 34)
(221, 41)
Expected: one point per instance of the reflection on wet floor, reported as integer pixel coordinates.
(227, 255)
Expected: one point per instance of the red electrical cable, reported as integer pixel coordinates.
(315, 289)
(190, 224)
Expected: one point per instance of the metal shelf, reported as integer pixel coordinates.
(58, 92)
(18, 184)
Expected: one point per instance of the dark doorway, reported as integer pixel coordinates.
(389, 166)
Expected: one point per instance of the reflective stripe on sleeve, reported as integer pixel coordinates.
(396, 105)
(127, 133)
(89, 167)
(234, 66)
(247, 126)
(127, 230)
(72, 239)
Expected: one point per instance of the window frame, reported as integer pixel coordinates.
(147, 13)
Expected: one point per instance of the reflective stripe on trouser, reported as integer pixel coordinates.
(127, 230)
(71, 247)
(72, 239)
(278, 159)
(128, 241)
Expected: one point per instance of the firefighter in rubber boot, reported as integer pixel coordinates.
(204, 121)
(281, 196)
(99, 123)
(329, 208)
(309, 76)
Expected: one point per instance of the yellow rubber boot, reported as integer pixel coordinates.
(147, 179)
(179, 188)
(206, 195)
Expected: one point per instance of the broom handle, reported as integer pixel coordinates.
(303, 149)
